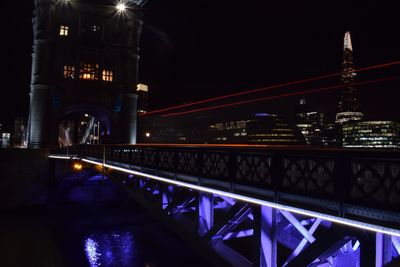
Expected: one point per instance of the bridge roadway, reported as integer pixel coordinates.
(300, 206)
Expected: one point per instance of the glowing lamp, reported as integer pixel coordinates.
(147, 134)
(121, 7)
(77, 166)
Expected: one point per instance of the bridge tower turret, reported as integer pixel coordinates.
(85, 60)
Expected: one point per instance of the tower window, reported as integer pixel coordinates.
(69, 72)
(107, 75)
(94, 28)
(89, 71)
(64, 30)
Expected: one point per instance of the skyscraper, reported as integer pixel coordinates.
(348, 108)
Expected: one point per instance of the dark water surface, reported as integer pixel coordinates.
(89, 224)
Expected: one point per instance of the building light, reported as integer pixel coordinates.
(94, 28)
(107, 75)
(121, 7)
(147, 134)
(77, 166)
(69, 72)
(142, 87)
(89, 71)
(64, 30)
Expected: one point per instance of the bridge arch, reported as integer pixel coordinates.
(83, 124)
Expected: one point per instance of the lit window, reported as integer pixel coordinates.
(64, 30)
(69, 72)
(94, 28)
(89, 71)
(107, 75)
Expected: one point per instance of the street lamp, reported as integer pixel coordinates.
(121, 7)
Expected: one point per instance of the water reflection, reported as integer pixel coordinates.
(110, 249)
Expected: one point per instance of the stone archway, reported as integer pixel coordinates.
(83, 124)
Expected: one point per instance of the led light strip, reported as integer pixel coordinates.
(59, 157)
(62, 157)
(344, 221)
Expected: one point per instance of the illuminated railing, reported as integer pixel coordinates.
(350, 183)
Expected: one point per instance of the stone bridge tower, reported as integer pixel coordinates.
(85, 59)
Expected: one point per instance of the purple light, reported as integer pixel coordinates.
(262, 115)
(331, 218)
(110, 249)
(91, 252)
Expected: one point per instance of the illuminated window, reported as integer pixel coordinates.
(69, 72)
(94, 28)
(89, 71)
(107, 75)
(64, 30)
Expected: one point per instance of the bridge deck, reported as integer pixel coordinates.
(354, 184)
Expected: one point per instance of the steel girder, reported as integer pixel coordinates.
(244, 234)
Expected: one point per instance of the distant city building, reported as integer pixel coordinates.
(311, 124)
(330, 134)
(259, 128)
(272, 129)
(348, 108)
(143, 92)
(19, 134)
(262, 128)
(377, 134)
(5, 140)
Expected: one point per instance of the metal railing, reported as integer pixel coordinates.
(351, 183)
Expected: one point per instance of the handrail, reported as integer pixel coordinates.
(354, 180)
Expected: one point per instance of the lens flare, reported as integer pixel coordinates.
(121, 7)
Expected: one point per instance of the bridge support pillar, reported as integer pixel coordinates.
(128, 119)
(206, 213)
(39, 119)
(383, 248)
(376, 249)
(167, 192)
(265, 254)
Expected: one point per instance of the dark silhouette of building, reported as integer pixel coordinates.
(220, 128)
(85, 60)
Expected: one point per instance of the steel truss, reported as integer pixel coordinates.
(244, 234)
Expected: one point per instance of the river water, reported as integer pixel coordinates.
(89, 224)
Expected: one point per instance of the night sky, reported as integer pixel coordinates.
(193, 50)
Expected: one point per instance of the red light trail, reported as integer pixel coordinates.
(270, 88)
(282, 96)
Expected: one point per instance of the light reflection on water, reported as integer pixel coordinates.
(110, 249)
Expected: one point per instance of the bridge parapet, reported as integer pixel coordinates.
(343, 182)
